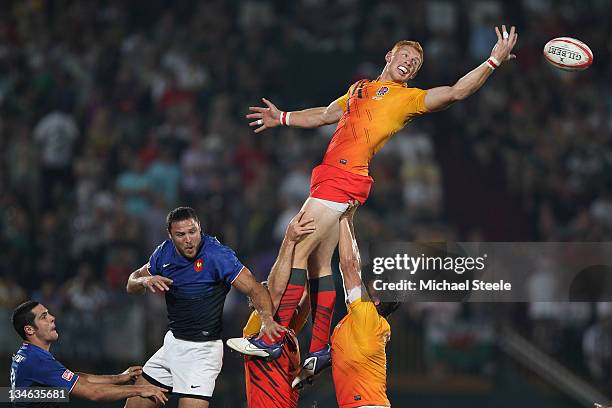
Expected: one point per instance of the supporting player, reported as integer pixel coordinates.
(268, 383)
(367, 115)
(34, 366)
(359, 361)
(196, 272)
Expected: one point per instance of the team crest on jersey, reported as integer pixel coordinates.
(198, 265)
(67, 375)
(380, 93)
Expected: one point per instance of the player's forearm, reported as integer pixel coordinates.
(106, 392)
(102, 379)
(135, 284)
(350, 262)
(261, 301)
(471, 82)
(280, 273)
(309, 118)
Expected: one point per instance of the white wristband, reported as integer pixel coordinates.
(284, 118)
(492, 63)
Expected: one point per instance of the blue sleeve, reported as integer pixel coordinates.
(156, 261)
(227, 264)
(52, 373)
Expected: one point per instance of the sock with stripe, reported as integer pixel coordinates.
(290, 300)
(322, 301)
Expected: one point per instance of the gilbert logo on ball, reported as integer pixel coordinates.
(568, 54)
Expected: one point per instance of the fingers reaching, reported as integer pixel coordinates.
(268, 103)
(505, 43)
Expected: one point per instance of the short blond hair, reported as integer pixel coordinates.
(408, 43)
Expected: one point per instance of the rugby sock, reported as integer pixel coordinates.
(290, 300)
(291, 297)
(322, 301)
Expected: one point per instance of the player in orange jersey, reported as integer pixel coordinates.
(268, 382)
(359, 361)
(367, 115)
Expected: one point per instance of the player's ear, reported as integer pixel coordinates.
(388, 56)
(29, 330)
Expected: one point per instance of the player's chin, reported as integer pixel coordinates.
(189, 253)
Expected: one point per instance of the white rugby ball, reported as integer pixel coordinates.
(568, 54)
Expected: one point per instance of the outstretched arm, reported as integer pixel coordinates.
(442, 97)
(246, 283)
(350, 261)
(110, 392)
(128, 375)
(271, 116)
(279, 275)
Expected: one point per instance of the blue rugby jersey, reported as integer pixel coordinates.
(197, 294)
(33, 366)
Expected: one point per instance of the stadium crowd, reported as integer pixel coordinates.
(112, 114)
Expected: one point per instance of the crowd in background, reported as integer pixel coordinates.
(112, 114)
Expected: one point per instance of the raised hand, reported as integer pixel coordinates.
(267, 117)
(299, 227)
(350, 211)
(502, 50)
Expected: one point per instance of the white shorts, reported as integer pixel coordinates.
(187, 367)
(340, 207)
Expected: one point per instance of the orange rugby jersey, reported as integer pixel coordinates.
(268, 383)
(373, 112)
(359, 361)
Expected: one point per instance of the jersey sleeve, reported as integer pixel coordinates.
(341, 101)
(227, 265)
(414, 103)
(364, 319)
(52, 373)
(155, 261)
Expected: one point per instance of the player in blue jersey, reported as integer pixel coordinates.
(195, 271)
(34, 366)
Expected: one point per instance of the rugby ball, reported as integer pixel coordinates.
(568, 54)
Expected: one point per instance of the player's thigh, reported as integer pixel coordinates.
(139, 402)
(319, 261)
(195, 368)
(325, 219)
(193, 403)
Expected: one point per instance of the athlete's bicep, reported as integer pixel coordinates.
(439, 98)
(334, 110)
(245, 281)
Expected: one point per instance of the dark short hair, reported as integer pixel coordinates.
(181, 214)
(23, 316)
(386, 308)
(383, 308)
